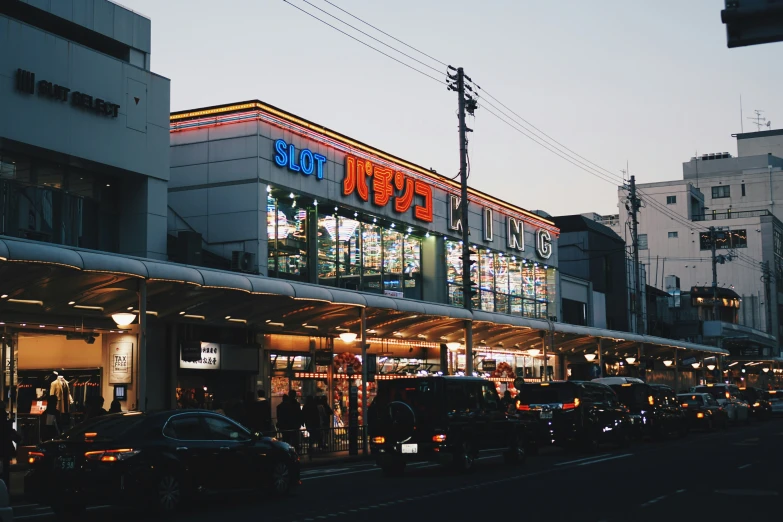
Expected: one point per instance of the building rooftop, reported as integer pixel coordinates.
(579, 223)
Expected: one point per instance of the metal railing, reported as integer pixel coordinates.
(730, 214)
(322, 441)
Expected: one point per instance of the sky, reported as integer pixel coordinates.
(645, 85)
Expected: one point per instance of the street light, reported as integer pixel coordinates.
(696, 364)
(667, 362)
(766, 370)
(123, 318)
(710, 367)
(590, 356)
(630, 360)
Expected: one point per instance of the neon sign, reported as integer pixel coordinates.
(387, 185)
(308, 161)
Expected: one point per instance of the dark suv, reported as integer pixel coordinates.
(447, 420)
(760, 405)
(573, 413)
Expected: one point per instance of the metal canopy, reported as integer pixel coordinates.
(64, 280)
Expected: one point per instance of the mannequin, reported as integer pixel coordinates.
(60, 389)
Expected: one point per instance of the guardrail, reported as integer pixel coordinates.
(729, 214)
(322, 441)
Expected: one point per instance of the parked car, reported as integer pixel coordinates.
(159, 460)
(703, 411)
(654, 411)
(730, 398)
(776, 401)
(574, 413)
(446, 419)
(758, 400)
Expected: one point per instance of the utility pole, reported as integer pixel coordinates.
(767, 299)
(715, 309)
(635, 205)
(466, 104)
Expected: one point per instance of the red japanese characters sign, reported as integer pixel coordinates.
(387, 185)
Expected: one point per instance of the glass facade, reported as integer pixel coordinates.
(365, 256)
(59, 204)
(286, 226)
(503, 283)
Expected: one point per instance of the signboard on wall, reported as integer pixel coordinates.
(191, 351)
(9, 349)
(210, 358)
(121, 364)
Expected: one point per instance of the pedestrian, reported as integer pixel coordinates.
(115, 407)
(293, 420)
(312, 420)
(95, 408)
(507, 402)
(325, 413)
(8, 436)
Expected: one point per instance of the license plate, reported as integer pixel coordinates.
(546, 414)
(410, 448)
(66, 463)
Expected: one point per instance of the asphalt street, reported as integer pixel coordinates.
(723, 475)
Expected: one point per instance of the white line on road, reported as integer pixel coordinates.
(744, 466)
(653, 501)
(607, 458)
(680, 491)
(582, 460)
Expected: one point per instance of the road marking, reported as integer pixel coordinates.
(744, 466)
(680, 491)
(582, 460)
(607, 458)
(653, 501)
(747, 492)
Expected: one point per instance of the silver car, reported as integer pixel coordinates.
(730, 397)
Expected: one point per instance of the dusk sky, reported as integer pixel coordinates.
(650, 83)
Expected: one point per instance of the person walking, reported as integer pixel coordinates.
(292, 420)
(115, 407)
(325, 413)
(312, 420)
(265, 412)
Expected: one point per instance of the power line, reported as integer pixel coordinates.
(370, 36)
(365, 43)
(387, 34)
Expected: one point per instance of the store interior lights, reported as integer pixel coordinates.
(765, 369)
(590, 356)
(696, 364)
(710, 367)
(533, 352)
(347, 337)
(28, 301)
(668, 362)
(453, 346)
(123, 318)
(630, 360)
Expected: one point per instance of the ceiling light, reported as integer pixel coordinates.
(630, 360)
(191, 316)
(24, 324)
(590, 356)
(3, 296)
(123, 318)
(269, 188)
(182, 313)
(315, 202)
(28, 301)
(59, 327)
(710, 367)
(130, 308)
(765, 370)
(347, 337)
(275, 324)
(668, 362)
(453, 346)
(533, 352)
(291, 195)
(87, 307)
(228, 317)
(149, 312)
(313, 327)
(237, 320)
(696, 364)
(44, 326)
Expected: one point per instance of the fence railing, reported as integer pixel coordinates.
(322, 441)
(729, 214)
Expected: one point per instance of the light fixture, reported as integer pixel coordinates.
(315, 202)
(3, 296)
(392, 225)
(59, 327)
(272, 323)
(696, 364)
(291, 195)
(123, 318)
(427, 234)
(347, 337)
(765, 370)
(44, 326)
(453, 346)
(710, 367)
(269, 188)
(668, 362)
(533, 352)
(630, 360)
(590, 356)
(191, 316)
(28, 301)
(410, 230)
(237, 320)
(88, 307)
(182, 313)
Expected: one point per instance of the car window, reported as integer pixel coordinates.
(186, 427)
(490, 395)
(610, 397)
(456, 397)
(634, 395)
(222, 429)
(711, 400)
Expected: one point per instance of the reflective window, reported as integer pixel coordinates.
(222, 429)
(286, 227)
(186, 427)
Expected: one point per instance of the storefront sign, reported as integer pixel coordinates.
(393, 293)
(387, 185)
(515, 234)
(323, 358)
(544, 243)
(9, 349)
(25, 83)
(305, 161)
(121, 369)
(489, 365)
(489, 216)
(210, 358)
(190, 351)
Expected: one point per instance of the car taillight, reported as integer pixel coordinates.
(439, 438)
(111, 455)
(728, 395)
(756, 404)
(684, 404)
(700, 415)
(650, 400)
(379, 440)
(34, 456)
(569, 405)
(523, 407)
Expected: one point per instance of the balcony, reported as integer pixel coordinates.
(730, 214)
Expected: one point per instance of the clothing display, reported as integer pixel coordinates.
(61, 390)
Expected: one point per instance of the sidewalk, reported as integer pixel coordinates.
(326, 459)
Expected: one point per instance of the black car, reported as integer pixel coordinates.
(703, 411)
(574, 413)
(759, 401)
(159, 460)
(653, 409)
(445, 419)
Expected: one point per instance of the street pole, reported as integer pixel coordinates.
(465, 104)
(365, 432)
(767, 299)
(635, 206)
(715, 312)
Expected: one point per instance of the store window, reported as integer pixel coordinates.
(286, 227)
(724, 239)
(365, 256)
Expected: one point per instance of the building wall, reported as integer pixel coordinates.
(134, 145)
(758, 143)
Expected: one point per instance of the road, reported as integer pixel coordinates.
(716, 476)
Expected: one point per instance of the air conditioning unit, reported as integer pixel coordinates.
(243, 261)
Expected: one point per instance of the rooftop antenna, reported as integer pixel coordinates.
(759, 120)
(742, 126)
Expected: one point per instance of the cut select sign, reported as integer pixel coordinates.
(25, 82)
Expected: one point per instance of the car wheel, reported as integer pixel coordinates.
(69, 511)
(465, 457)
(394, 468)
(168, 493)
(280, 482)
(516, 451)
